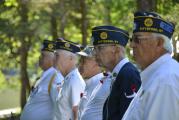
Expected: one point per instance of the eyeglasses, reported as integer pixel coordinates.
(100, 48)
(138, 39)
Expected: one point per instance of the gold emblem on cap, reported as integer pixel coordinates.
(67, 45)
(148, 22)
(103, 35)
(50, 46)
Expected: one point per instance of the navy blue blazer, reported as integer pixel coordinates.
(127, 82)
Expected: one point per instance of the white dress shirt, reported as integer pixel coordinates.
(69, 95)
(39, 100)
(158, 97)
(90, 85)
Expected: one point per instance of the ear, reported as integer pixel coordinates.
(71, 57)
(116, 49)
(160, 43)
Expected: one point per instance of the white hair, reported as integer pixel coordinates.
(122, 50)
(168, 46)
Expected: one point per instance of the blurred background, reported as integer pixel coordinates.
(24, 24)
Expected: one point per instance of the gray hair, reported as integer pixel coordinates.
(122, 50)
(70, 54)
(168, 46)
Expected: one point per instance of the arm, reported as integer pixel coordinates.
(161, 103)
(76, 89)
(127, 82)
(75, 112)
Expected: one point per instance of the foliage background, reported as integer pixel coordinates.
(24, 24)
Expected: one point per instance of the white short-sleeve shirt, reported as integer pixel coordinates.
(158, 97)
(69, 95)
(94, 107)
(39, 100)
(90, 85)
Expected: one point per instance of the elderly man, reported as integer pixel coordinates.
(40, 100)
(158, 97)
(73, 85)
(109, 44)
(91, 72)
(94, 107)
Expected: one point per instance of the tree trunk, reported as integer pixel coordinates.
(54, 27)
(107, 10)
(25, 84)
(84, 21)
(176, 55)
(63, 22)
(146, 5)
(63, 17)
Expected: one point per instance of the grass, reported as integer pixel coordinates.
(9, 98)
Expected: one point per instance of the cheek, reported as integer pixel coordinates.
(139, 51)
(97, 57)
(43, 60)
(101, 56)
(104, 57)
(87, 69)
(89, 66)
(58, 61)
(143, 54)
(81, 68)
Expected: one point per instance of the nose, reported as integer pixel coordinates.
(80, 67)
(132, 44)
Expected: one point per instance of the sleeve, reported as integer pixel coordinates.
(76, 88)
(127, 82)
(130, 84)
(162, 103)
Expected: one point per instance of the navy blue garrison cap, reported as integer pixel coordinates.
(109, 35)
(152, 22)
(67, 45)
(48, 46)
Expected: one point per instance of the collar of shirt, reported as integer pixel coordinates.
(119, 66)
(60, 74)
(48, 71)
(73, 71)
(146, 73)
(89, 81)
(44, 75)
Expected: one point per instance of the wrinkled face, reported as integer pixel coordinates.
(86, 66)
(145, 46)
(46, 59)
(104, 55)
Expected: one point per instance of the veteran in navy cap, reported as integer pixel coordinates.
(158, 96)
(40, 98)
(73, 84)
(109, 45)
(92, 74)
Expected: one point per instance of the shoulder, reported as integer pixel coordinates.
(129, 71)
(75, 79)
(168, 73)
(128, 76)
(129, 67)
